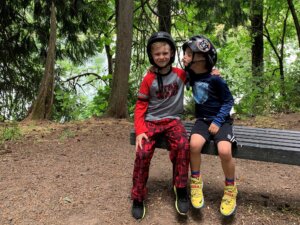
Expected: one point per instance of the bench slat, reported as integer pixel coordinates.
(270, 142)
(266, 130)
(262, 146)
(269, 135)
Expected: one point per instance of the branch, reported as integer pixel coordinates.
(145, 13)
(284, 32)
(273, 73)
(152, 10)
(85, 74)
(89, 82)
(269, 37)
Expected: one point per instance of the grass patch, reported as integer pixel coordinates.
(9, 132)
(67, 133)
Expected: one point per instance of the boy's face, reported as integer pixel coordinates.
(161, 54)
(199, 58)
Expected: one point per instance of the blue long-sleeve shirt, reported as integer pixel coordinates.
(213, 99)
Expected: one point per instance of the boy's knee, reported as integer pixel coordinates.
(143, 155)
(197, 142)
(196, 147)
(225, 152)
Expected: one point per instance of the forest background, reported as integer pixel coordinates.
(72, 60)
(78, 60)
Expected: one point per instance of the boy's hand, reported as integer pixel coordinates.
(213, 129)
(138, 140)
(216, 72)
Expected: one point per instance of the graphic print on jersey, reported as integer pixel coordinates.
(200, 92)
(168, 91)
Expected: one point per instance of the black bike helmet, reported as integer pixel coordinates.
(201, 44)
(161, 36)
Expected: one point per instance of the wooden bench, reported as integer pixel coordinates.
(260, 144)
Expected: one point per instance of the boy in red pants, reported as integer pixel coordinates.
(157, 113)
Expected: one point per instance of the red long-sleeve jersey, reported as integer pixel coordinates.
(153, 105)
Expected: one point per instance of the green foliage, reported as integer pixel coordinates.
(85, 27)
(189, 108)
(67, 106)
(82, 28)
(9, 132)
(212, 12)
(100, 101)
(19, 59)
(292, 88)
(74, 98)
(132, 96)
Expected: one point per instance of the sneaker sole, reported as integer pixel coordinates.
(144, 213)
(181, 213)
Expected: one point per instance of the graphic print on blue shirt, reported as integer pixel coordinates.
(200, 92)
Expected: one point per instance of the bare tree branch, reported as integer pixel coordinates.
(75, 78)
(268, 36)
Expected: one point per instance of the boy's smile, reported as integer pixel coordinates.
(161, 55)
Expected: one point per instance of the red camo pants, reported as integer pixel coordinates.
(178, 145)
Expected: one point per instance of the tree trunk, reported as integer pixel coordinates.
(296, 21)
(42, 106)
(164, 12)
(257, 35)
(117, 107)
(109, 62)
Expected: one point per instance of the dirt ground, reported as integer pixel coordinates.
(80, 174)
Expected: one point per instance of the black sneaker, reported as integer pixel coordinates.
(138, 209)
(182, 202)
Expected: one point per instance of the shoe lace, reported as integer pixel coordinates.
(196, 188)
(229, 195)
(195, 192)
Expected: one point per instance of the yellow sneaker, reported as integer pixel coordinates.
(197, 198)
(228, 204)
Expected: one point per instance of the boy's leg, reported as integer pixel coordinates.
(196, 184)
(227, 161)
(179, 155)
(196, 144)
(141, 173)
(178, 145)
(197, 141)
(141, 170)
(224, 139)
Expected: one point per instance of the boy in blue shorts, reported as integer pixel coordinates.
(213, 102)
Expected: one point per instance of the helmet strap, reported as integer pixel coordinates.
(159, 68)
(159, 78)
